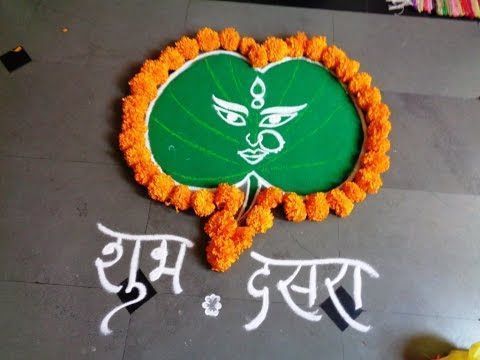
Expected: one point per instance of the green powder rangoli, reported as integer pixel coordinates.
(290, 124)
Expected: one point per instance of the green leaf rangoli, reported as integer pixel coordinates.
(290, 124)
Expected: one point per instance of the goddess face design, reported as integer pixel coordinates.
(266, 140)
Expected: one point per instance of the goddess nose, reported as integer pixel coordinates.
(249, 142)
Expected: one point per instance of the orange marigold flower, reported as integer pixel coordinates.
(368, 180)
(379, 128)
(160, 186)
(172, 58)
(128, 138)
(144, 172)
(143, 84)
(270, 197)
(368, 97)
(180, 197)
(188, 47)
(340, 204)
(134, 108)
(294, 207)
(245, 44)
(295, 46)
(208, 39)
(359, 82)
(376, 143)
(260, 219)
(155, 69)
(243, 238)
(229, 197)
(276, 48)
(137, 154)
(202, 202)
(221, 253)
(378, 112)
(353, 191)
(347, 69)
(333, 57)
(229, 39)
(302, 37)
(375, 161)
(317, 207)
(221, 224)
(258, 56)
(134, 124)
(315, 46)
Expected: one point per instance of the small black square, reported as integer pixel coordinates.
(124, 297)
(348, 304)
(15, 58)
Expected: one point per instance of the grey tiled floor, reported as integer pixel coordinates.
(61, 174)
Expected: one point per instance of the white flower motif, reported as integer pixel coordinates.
(212, 305)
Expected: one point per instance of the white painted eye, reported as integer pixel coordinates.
(230, 117)
(279, 115)
(275, 120)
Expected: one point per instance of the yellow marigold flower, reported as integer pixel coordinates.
(294, 207)
(187, 47)
(172, 58)
(368, 180)
(180, 197)
(221, 224)
(160, 186)
(315, 46)
(359, 82)
(276, 48)
(229, 39)
(317, 207)
(258, 56)
(270, 197)
(202, 202)
(229, 197)
(353, 191)
(260, 219)
(340, 204)
(375, 161)
(221, 253)
(245, 44)
(369, 97)
(208, 39)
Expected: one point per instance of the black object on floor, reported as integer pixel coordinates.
(124, 297)
(348, 304)
(15, 58)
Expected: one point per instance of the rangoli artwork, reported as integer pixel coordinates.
(231, 129)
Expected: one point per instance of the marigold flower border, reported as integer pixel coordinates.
(230, 236)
